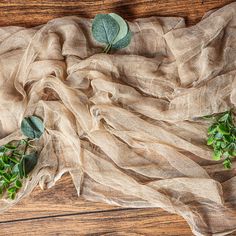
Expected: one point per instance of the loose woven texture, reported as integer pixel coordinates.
(127, 125)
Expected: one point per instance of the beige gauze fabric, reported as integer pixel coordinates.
(127, 125)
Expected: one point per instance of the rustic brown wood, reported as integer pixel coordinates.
(34, 12)
(59, 211)
(123, 222)
(61, 199)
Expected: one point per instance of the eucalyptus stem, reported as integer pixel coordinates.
(26, 145)
(104, 50)
(107, 48)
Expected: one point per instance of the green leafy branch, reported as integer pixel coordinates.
(15, 160)
(112, 30)
(222, 137)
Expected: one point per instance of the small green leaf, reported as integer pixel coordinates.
(217, 155)
(231, 148)
(234, 132)
(223, 145)
(210, 140)
(212, 129)
(10, 147)
(223, 129)
(12, 195)
(217, 145)
(11, 190)
(218, 136)
(13, 177)
(227, 163)
(123, 42)
(224, 118)
(226, 154)
(228, 138)
(13, 159)
(32, 127)
(105, 28)
(15, 169)
(6, 177)
(122, 26)
(18, 184)
(5, 184)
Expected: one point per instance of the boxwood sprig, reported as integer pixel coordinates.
(19, 157)
(222, 138)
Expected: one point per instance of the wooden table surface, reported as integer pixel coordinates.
(59, 211)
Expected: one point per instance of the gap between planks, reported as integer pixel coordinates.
(69, 214)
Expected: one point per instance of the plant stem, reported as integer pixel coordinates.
(107, 48)
(104, 50)
(26, 145)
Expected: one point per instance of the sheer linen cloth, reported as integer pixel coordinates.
(127, 125)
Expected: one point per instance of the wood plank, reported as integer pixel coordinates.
(34, 12)
(59, 211)
(59, 200)
(122, 222)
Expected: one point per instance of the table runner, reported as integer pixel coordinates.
(127, 125)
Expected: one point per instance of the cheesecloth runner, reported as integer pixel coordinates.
(127, 125)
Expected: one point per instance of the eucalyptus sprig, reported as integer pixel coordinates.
(112, 30)
(222, 137)
(18, 158)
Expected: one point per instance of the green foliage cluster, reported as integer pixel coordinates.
(222, 137)
(112, 30)
(15, 161)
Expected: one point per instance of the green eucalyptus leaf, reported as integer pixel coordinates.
(122, 25)
(105, 28)
(32, 127)
(123, 42)
(29, 162)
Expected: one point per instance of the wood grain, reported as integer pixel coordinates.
(59, 211)
(61, 199)
(123, 222)
(34, 12)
